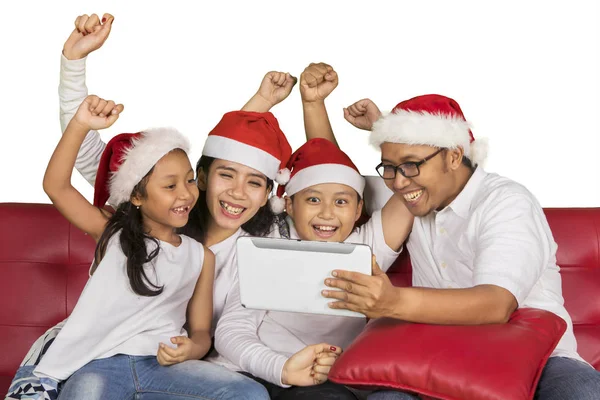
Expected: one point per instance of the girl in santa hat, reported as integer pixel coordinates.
(127, 324)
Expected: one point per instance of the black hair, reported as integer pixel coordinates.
(259, 225)
(128, 220)
(466, 161)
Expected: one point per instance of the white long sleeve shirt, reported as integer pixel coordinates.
(110, 318)
(260, 342)
(72, 90)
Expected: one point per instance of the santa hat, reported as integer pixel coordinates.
(253, 139)
(315, 162)
(128, 157)
(432, 120)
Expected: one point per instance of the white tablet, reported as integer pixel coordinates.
(289, 275)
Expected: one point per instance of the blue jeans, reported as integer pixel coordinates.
(562, 378)
(123, 377)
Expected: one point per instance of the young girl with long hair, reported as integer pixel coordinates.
(125, 336)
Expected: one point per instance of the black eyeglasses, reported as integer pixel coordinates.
(407, 169)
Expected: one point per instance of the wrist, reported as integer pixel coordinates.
(285, 374)
(401, 301)
(263, 103)
(72, 55)
(311, 104)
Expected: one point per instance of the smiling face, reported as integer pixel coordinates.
(439, 181)
(324, 212)
(234, 193)
(168, 194)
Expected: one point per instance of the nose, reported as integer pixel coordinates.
(400, 182)
(184, 192)
(237, 189)
(326, 211)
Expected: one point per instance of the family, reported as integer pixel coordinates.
(160, 316)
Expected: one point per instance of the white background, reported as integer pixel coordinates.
(526, 74)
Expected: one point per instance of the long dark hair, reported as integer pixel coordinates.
(259, 225)
(128, 219)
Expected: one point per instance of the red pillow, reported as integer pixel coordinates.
(500, 361)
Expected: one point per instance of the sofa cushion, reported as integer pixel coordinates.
(500, 361)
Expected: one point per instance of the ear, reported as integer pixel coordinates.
(136, 200)
(289, 206)
(202, 180)
(455, 157)
(359, 209)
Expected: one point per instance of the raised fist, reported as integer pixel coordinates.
(89, 35)
(317, 81)
(276, 87)
(362, 114)
(96, 113)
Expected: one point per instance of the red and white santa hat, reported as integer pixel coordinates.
(128, 157)
(253, 139)
(315, 162)
(432, 120)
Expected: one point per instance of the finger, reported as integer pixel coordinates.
(91, 22)
(171, 352)
(348, 286)
(179, 340)
(281, 78)
(81, 24)
(321, 369)
(326, 361)
(349, 117)
(375, 269)
(319, 378)
(107, 21)
(351, 276)
(342, 305)
(357, 109)
(163, 358)
(344, 296)
(110, 105)
(77, 22)
(331, 76)
(323, 68)
(100, 106)
(325, 347)
(311, 80)
(92, 101)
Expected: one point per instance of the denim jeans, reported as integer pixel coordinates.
(562, 379)
(123, 377)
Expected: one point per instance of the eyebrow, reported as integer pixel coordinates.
(260, 176)
(176, 175)
(403, 159)
(342, 192)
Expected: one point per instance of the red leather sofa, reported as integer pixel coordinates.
(44, 265)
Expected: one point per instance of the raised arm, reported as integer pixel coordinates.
(57, 180)
(89, 34)
(274, 88)
(199, 318)
(317, 81)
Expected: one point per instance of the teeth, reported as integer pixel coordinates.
(413, 196)
(180, 209)
(232, 210)
(325, 228)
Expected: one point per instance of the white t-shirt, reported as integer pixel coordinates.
(494, 233)
(260, 342)
(110, 318)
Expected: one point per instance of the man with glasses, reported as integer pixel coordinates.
(480, 245)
